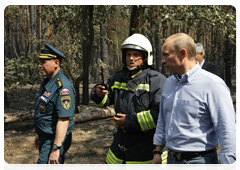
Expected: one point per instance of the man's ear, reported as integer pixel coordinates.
(182, 54)
(57, 62)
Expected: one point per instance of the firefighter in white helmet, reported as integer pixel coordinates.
(135, 92)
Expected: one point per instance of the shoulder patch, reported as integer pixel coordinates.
(46, 94)
(65, 91)
(59, 83)
(66, 102)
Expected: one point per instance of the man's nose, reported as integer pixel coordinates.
(163, 61)
(131, 57)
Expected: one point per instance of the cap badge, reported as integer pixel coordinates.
(43, 46)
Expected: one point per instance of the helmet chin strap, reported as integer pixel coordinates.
(136, 68)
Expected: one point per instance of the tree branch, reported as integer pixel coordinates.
(15, 51)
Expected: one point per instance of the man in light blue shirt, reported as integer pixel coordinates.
(196, 110)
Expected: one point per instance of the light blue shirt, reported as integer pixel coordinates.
(196, 113)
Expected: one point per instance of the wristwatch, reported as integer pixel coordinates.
(157, 152)
(55, 147)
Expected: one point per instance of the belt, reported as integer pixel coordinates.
(188, 155)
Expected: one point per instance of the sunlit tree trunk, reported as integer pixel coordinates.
(104, 49)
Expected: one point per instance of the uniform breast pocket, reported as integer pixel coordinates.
(49, 107)
(188, 111)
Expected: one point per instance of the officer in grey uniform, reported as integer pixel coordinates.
(54, 109)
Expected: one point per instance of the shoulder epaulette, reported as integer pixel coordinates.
(59, 83)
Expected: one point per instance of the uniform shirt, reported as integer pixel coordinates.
(55, 99)
(196, 112)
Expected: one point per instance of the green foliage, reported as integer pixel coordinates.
(21, 72)
(192, 17)
(211, 24)
(67, 35)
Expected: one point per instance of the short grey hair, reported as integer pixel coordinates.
(199, 48)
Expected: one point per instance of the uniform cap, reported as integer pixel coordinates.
(48, 52)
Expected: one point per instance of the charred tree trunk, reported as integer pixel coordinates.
(158, 51)
(227, 61)
(85, 94)
(18, 36)
(99, 53)
(136, 21)
(43, 26)
(27, 47)
(6, 54)
(89, 42)
(157, 42)
(33, 28)
(93, 59)
(37, 28)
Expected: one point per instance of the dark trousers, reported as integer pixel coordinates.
(46, 145)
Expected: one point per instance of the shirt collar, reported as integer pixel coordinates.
(189, 76)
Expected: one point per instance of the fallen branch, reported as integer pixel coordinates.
(93, 115)
(16, 117)
(80, 117)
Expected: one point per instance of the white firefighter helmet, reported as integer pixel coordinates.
(138, 42)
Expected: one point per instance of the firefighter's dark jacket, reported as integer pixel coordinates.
(138, 98)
